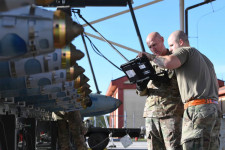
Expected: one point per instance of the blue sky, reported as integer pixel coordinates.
(206, 33)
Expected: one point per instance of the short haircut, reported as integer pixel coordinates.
(181, 35)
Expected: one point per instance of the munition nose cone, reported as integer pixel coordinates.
(64, 29)
(70, 55)
(88, 91)
(75, 53)
(72, 29)
(84, 89)
(73, 72)
(80, 80)
(77, 71)
(85, 86)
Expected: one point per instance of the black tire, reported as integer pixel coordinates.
(98, 141)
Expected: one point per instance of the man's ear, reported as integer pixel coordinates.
(181, 42)
(162, 39)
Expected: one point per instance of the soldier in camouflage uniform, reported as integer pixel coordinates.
(63, 130)
(78, 130)
(71, 122)
(199, 91)
(63, 134)
(198, 87)
(163, 108)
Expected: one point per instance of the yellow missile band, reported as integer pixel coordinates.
(66, 57)
(79, 91)
(59, 29)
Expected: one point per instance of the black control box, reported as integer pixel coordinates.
(138, 69)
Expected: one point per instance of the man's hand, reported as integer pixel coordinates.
(142, 85)
(150, 57)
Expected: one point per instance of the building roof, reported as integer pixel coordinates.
(121, 82)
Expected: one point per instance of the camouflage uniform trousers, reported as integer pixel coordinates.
(77, 129)
(164, 133)
(63, 135)
(201, 127)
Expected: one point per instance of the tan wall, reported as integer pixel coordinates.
(134, 106)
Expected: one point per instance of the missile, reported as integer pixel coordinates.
(70, 104)
(60, 59)
(53, 105)
(62, 102)
(47, 89)
(69, 95)
(40, 80)
(44, 101)
(44, 83)
(12, 4)
(101, 105)
(30, 31)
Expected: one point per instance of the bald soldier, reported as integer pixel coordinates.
(163, 108)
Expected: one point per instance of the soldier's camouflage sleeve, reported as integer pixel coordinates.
(163, 96)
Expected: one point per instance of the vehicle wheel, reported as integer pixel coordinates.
(98, 141)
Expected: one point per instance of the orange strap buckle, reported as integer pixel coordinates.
(199, 102)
